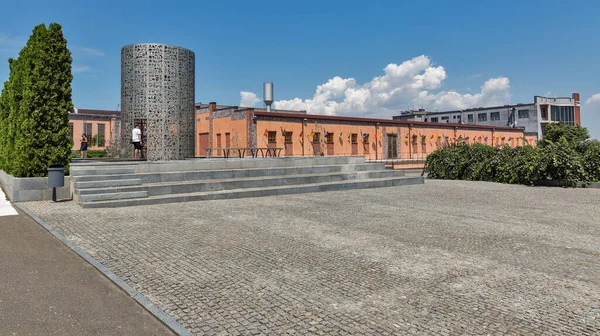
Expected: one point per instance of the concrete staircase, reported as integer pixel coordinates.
(104, 185)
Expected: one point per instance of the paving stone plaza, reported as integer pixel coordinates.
(443, 258)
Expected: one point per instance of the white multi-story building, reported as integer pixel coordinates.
(533, 117)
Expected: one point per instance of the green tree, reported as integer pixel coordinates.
(574, 134)
(42, 135)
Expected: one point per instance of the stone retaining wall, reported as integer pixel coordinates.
(23, 189)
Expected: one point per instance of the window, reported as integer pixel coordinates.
(469, 118)
(272, 136)
(495, 116)
(329, 137)
(482, 117)
(99, 140)
(87, 129)
(445, 118)
(354, 138)
(555, 113)
(564, 114)
(317, 137)
(365, 138)
(523, 114)
(71, 129)
(544, 110)
(425, 119)
(434, 119)
(288, 137)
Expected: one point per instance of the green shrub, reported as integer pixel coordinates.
(98, 140)
(564, 155)
(591, 160)
(91, 154)
(562, 162)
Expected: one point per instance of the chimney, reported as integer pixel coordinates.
(212, 106)
(577, 109)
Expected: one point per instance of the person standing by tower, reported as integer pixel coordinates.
(136, 140)
(84, 146)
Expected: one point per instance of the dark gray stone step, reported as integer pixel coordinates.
(231, 173)
(107, 183)
(101, 171)
(113, 196)
(179, 187)
(108, 190)
(259, 192)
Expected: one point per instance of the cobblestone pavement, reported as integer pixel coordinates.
(444, 258)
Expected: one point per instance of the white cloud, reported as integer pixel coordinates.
(249, 99)
(590, 117)
(477, 75)
(80, 69)
(411, 83)
(92, 51)
(593, 99)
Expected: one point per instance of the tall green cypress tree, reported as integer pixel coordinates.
(10, 101)
(43, 136)
(4, 115)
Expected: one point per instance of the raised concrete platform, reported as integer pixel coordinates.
(127, 184)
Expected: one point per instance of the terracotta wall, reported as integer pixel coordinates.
(202, 128)
(301, 138)
(78, 132)
(418, 141)
(235, 128)
(415, 141)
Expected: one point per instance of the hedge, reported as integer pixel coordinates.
(568, 162)
(91, 154)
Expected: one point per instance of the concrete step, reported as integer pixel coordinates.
(180, 187)
(130, 195)
(231, 173)
(107, 183)
(84, 171)
(109, 190)
(258, 192)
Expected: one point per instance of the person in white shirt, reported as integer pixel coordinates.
(136, 140)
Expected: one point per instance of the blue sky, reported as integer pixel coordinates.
(330, 56)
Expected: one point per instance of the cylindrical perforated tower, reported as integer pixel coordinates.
(157, 92)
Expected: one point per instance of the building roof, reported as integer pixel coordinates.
(106, 113)
(380, 121)
(239, 108)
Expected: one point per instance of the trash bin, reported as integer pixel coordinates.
(56, 176)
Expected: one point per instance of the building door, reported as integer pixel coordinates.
(219, 144)
(227, 140)
(203, 143)
(288, 144)
(392, 146)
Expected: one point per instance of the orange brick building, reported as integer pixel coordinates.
(99, 125)
(301, 134)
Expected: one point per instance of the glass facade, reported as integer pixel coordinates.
(564, 114)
